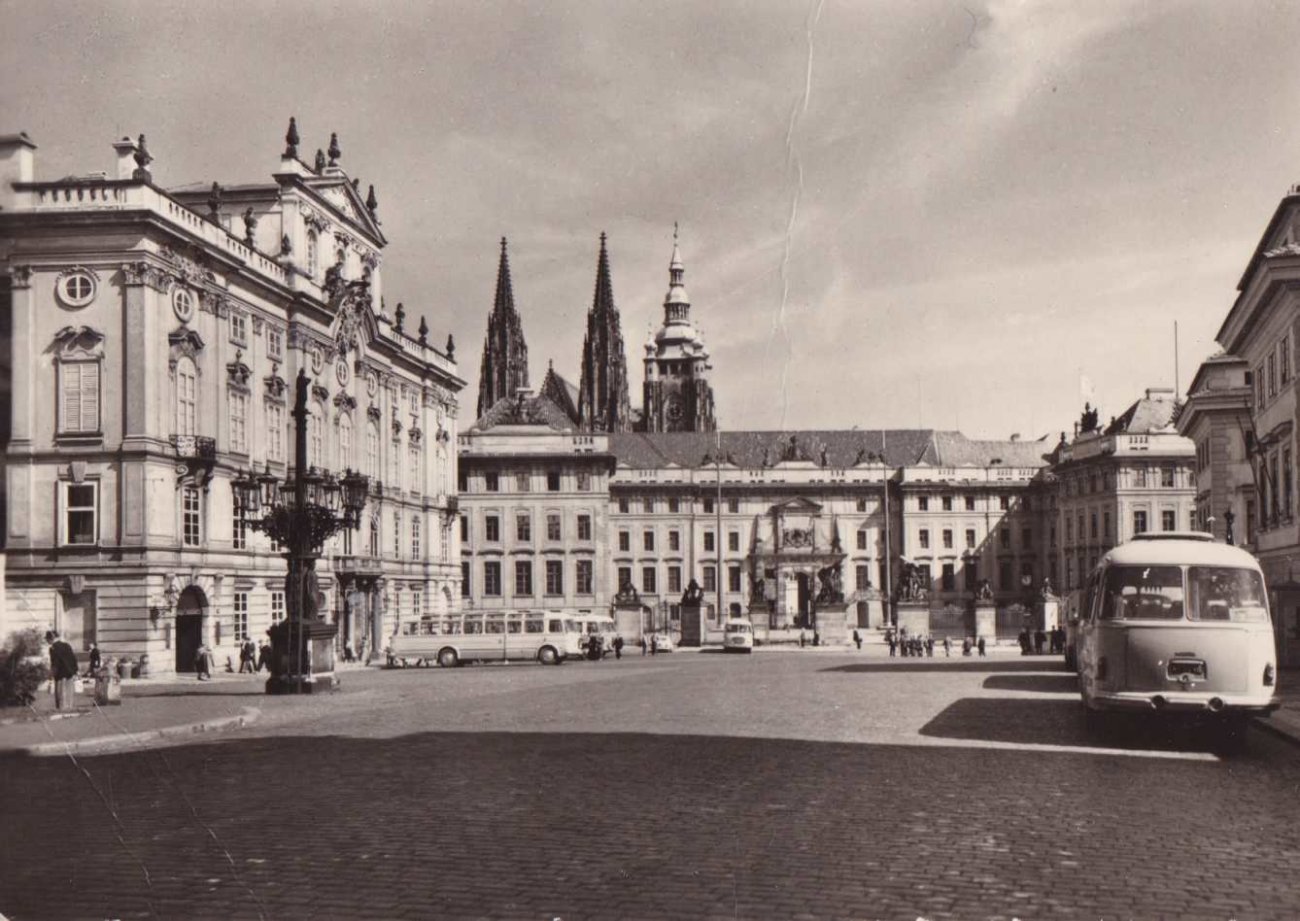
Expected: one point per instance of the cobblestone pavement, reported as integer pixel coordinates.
(684, 786)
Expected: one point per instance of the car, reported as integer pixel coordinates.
(738, 635)
(660, 642)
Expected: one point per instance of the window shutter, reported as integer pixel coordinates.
(90, 397)
(70, 408)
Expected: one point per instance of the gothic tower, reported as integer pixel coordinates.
(603, 404)
(505, 354)
(678, 397)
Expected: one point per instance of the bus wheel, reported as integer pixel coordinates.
(548, 656)
(447, 658)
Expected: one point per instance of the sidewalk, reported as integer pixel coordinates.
(151, 709)
(1285, 721)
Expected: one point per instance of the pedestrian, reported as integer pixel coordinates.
(857, 639)
(893, 643)
(1024, 642)
(618, 647)
(245, 658)
(95, 659)
(654, 644)
(63, 667)
(817, 638)
(929, 647)
(965, 646)
(1040, 640)
(264, 656)
(980, 644)
(642, 644)
(947, 647)
(203, 662)
(801, 639)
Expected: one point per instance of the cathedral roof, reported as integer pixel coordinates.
(1152, 413)
(841, 448)
(561, 392)
(524, 410)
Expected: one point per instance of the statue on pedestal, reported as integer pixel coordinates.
(693, 597)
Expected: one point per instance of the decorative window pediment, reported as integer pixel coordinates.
(374, 412)
(275, 385)
(320, 392)
(416, 435)
(345, 401)
(238, 373)
(185, 342)
(78, 343)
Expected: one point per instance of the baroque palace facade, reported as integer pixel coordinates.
(153, 337)
(805, 530)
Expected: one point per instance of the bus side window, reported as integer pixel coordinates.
(555, 625)
(474, 625)
(514, 625)
(533, 625)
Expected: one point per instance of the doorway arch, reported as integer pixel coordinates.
(191, 608)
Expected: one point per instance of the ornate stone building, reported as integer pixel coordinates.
(602, 389)
(504, 369)
(1216, 418)
(150, 338)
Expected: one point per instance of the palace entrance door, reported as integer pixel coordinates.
(190, 609)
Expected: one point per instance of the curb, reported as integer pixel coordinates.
(1273, 729)
(133, 740)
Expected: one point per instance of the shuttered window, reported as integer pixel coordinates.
(79, 397)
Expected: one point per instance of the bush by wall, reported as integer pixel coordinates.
(23, 668)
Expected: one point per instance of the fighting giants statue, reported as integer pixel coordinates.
(912, 583)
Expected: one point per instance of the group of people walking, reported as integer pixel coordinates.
(923, 646)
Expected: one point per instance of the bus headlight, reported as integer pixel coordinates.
(1270, 675)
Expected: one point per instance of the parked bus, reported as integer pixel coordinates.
(600, 626)
(737, 635)
(487, 636)
(1175, 622)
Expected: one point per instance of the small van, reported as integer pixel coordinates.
(737, 635)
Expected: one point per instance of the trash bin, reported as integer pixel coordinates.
(108, 688)
(124, 668)
(144, 668)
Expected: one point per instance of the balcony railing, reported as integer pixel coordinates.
(195, 447)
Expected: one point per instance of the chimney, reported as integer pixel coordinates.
(17, 164)
(125, 150)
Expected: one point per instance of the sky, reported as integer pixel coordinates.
(901, 215)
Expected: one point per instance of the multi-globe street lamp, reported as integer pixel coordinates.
(300, 513)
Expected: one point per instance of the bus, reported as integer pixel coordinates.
(486, 636)
(1175, 623)
(600, 626)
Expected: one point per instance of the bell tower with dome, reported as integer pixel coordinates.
(677, 394)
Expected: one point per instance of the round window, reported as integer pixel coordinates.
(343, 372)
(76, 288)
(183, 304)
(317, 360)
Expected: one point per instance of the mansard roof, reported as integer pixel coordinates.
(561, 392)
(525, 410)
(831, 448)
(1149, 414)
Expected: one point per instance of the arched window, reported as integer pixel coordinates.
(372, 450)
(345, 441)
(374, 533)
(187, 400)
(312, 250)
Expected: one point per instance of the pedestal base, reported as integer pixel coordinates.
(986, 622)
(833, 623)
(302, 684)
(914, 616)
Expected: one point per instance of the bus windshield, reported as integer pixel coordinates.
(738, 628)
(1143, 593)
(1226, 593)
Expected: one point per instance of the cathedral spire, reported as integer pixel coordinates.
(603, 403)
(677, 305)
(504, 370)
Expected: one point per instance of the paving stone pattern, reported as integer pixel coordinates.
(845, 788)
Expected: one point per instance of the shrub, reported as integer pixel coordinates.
(23, 668)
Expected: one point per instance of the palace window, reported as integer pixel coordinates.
(709, 577)
(862, 539)
(733, 541)
(345, 442)
(708, 506)
(733, 578)
(313, 253)
(413, 466)
(523, 577)
(1167, 476)
(191, 517)
(622, 504)
(522, 483)
(949, 577)
(274, 343)
(648, 580)
(277, 607)
(584, 481)
(239, 606)
(464, 529)
(78, 397)
(239, 530)
(1004, 536)
(947, 538)
(625, 541)
(584, 527)
(415, 536)
(491, 528)
(274, 432)
(708, 541)
(492, 578)
(648, 540)
(1284, 358)
(862, 574)
(674, 505)
(552, 481)
(464, 579)
(80, 502)
(239, 423)
(674, 580)
(490, 482)
(372, 450)
(397, 535)
(76, 288)
(187, 407)
(1139, 522)
(238, 328)
(624, 577)
(923, 538)
(553, 529)
(947, 503)
(523, 528)
(555, 577)
(970, 538)
(970, 503)
(648, 503)
(583, 577)
(923, 503)
(1168, 520)
(733, 505)
(674, 541)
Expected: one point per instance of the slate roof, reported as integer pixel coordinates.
(841, 448)
(561, 392)
(524, 411)
(1145, 416)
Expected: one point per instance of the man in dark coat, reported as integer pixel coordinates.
(63, 666)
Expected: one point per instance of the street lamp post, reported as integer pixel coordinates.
(300, 513)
